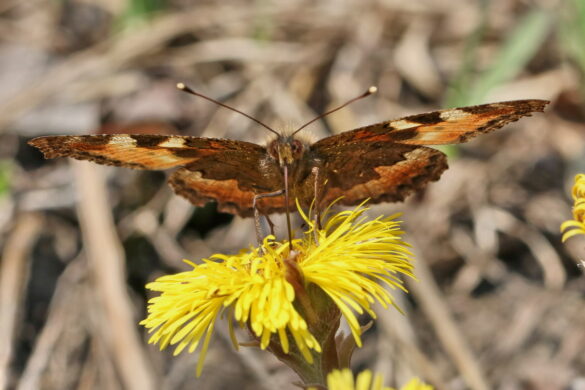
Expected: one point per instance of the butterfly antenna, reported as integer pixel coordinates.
(184, 88)
(369, 92)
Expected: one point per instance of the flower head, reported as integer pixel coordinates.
(577, 224)
(279, 293)
(249, 286)
(353, 259)
(344, 380)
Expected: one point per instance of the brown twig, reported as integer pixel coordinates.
(106, 257)
(433, 304)
(398, 346)
(14, 272)
(64, 309)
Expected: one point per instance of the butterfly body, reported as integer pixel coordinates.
(384, 162)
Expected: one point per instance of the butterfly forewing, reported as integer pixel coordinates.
(139, 151)
(450, 126)
(228, 171)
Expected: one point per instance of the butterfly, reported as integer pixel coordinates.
(384, 162)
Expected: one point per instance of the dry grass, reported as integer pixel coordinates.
(500, 302)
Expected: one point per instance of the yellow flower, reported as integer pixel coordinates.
(416, 384)
(344, 380)
(268, 289)
(252, 285)
(354, 259)
(577, 225)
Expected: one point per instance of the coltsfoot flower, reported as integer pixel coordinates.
(248, 287)
(577, 224)
(281, 294)
(353, 259)
(344, 380)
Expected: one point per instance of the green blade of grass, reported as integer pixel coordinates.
(572, 34)
(458, 90)
(517, 51)
(138, 11)
(6, 169)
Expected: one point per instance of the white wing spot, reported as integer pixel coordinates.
(454, 115)
(122, 139)
(403, 124)
(173, 142)
(413, 155)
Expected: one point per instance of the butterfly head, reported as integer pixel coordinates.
(286, 150)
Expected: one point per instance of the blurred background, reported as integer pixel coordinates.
(500, 303)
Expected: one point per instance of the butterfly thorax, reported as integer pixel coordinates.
(287, 151)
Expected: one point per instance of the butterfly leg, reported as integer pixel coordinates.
(318, 194)
(270, 224)
(257, 213)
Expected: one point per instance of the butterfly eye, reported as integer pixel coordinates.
(272, 150)
(297, 147)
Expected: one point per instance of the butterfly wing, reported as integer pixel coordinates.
(232, 178)
(138, 151)
(230, 172)
(386, 161)
(381, 171)
(451, 126)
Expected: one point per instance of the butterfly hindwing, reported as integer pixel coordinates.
(231, 197)
(381, 171)
(232, 178)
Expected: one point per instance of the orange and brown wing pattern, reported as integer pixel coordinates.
(230, 195)
(380, 171)
(227, 171)
(387, 161)
(450, 126)
(138, 151)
